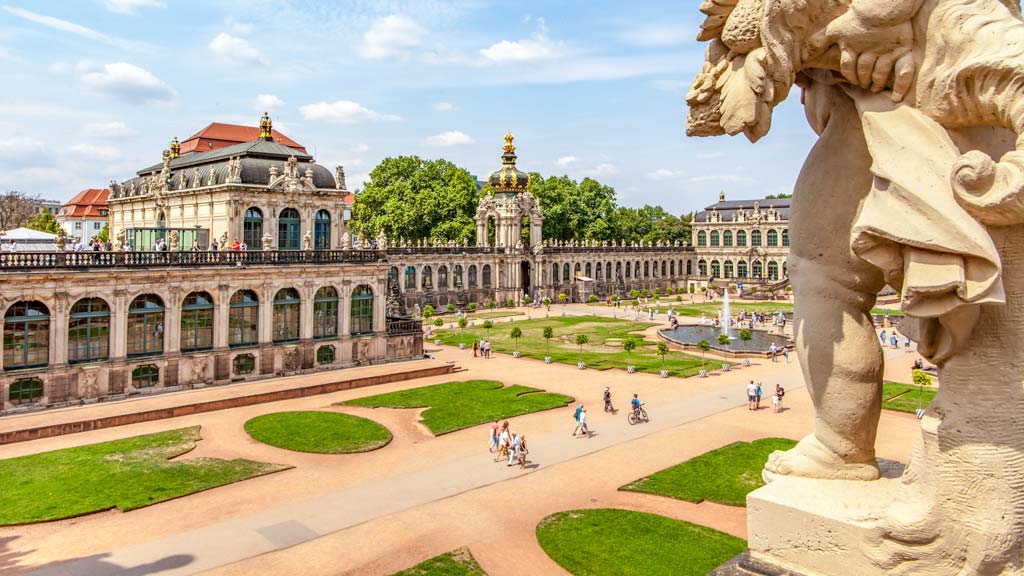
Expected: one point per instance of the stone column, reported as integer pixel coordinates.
(119, 326)
(172, 321)
(345, 309)
(59, 330)
(266, 319)
(306, 312)
(221, 312)
(379, 305)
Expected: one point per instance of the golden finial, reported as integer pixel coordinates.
(509, 148)
(266, 128)
(721, 196)
(175, 148)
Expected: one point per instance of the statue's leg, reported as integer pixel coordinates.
(834, 292)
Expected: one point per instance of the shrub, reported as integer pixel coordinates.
(723, 339)
(491, 304)
(428, 311)
(745, 334)
(511, 303)
(472, 306)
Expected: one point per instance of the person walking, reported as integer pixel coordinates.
(523, 451)
(773, 350)
(503, 441)
(584, 429)
(476, 346)
(513, 451)
(576, 419)
(894, 341)
(785, 354)
(906, 344)
(881, 336)
(777, 398)
(487, 349)
(495, 428)
(757, 405)
(751, 395)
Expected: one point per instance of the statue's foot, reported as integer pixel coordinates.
(812, 459)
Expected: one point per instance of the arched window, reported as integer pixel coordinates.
(487, 275)
(161, 219)
(618, 270)
(629, 270)
(589, 273)
(287, 317)
(252, 229)
(702, 238)
(472, 276)
(362, 310)
(773, 271)
(663, 268)
(755, 238)
(576, 271)
(654, 268)
(636, 269)
(442, 277)
(25, 391)
(714, 239)
(325, 313)
(428, 278)
(393, 276)
(672, 269)
(689, 267)
(197, 322)
(785, 237)
(89, 331)
(785, 270)
(741, 269)
(457, 276)
(288, 228)
(598, 272)
(410, 277)
(741, 239)
(26, 335)
(756, 268)
(322, 230)
(565, 273)
(647, 269)
(608, 271)
(243, 319)
(702, 267)
(773, 239)
(727, 269)
(146, 325)
(727, 239)
(554, 274)
(145, 376)
(716, 270)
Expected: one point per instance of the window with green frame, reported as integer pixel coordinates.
(146, 326)
(245, 364)
(146, 376)
(325, 355)
(25, 391)
(325, 313)
(197, 322)
(288, 223)
(89, 331)
(243, 319)
(286, 315)
(26, 335)
(362, 310)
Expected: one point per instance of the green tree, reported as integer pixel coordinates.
(703, 346)
(472, 306)
(510, 303)
(450, 308)
(581, 340)
(428, 311)
(657, 292)
(104, 234)
(548, 334)
(745, 334)
(921, 379)
(562, 298)
(516, 334)
(462, 329)
(547, 303)
(438, 322)
(44, 222)
(574, 210)
(629, 344)
(412, 198)
(491, 304)
(527, 300)
(662, 351)
(723, 340)
(634, 294)
(592, 299)
(487, 326)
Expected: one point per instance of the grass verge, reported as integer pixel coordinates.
(456, 405)
(319, 432)
(455, 563)
(725, 475)
(906, 397)
(607, 542)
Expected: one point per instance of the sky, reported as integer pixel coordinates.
(96, 89)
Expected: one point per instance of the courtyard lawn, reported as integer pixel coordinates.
(319, 432)
(125, 474)
(457, 405)
(711, 309)
(725, 475)
(607, 541)
(604, 350)
(906, 397)
(455, 563)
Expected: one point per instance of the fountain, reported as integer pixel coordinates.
(726, 315)
(759, 343)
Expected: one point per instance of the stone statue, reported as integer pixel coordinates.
(916, 181)
(339, 178)
(235, 170)
(199, 370)
(211, 176)
(115, 189)
(120, 240)
(307, 241)
(197, 178)
(291, 359)
(174, 240)
(382, 240)
(346, 241)
(273, 174)
(61, 240)
(224, 241)
(268, 241)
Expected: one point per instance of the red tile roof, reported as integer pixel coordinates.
(87, 204)
(218, 135)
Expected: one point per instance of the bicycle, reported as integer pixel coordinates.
(609, 407)
(637, 414)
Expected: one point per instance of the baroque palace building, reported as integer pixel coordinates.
(743, 241)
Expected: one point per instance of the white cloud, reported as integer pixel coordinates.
(76, 29)
(540, 47)
(565, 161)
(603, 169)
(95, 152)
(393, 36)
(343, 112)
(21, 145)
(129, 6)
(238, 49)
(268, 102)
(111, 130)
(722, 178)
(449, 138)
(128, 82)
(664, 174)
(444, 107)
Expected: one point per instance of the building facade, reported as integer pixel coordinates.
(84, 216)
(743, 241)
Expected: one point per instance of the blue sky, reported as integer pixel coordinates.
(95, 90)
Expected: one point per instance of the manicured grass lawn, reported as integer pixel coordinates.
(603, 352)
(125, 474)
(456, 563)
(457, 405)
(481, 315)
(320, 432)
(725, 475)
(710, 309)
(906, 397)
(610, 542)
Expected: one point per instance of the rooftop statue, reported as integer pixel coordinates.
(915, 181)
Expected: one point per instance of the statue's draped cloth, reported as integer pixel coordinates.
(912, 228)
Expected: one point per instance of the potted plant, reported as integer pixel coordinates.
(428, 312)
(592, 300)
(527, 300)
(562, 298)
(746, 335)
(634, 294)
(922, 380)
(491, 304)
(629, 344)
(663, 351)
(462, 332)
(516, 334)
(487, 326)
(438, 322)
(472, 306)
(657, 293)
(547, 305)
(548, 334)
(510, 303)
(581, 339)
(450, 308)
(703, 346)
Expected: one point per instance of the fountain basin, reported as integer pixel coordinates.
(760, 341)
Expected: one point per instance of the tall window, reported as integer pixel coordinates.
(741, 269)
(773, 238)
(252, 229)
(286, 315)
(689, 267)
(589, 273)
(487, 275)
(608, 270)
(647, 269)
(457, 276)
(702, 238)
(428, 278)
(442, 277)
(26, 335)
(672, 268)
(714, 238)
(555, 276)
(89, 331)
(362, 310)
(325, 313)
(716, 270)
(322, 230)
(197, 322)
(629, 270)
(576, 271)
(727, 239)
(636, 269)
(566, 278)
(243, 319)
(773, 271)
(756, 269)
(785, 237)
(727, 269)
(288, 225)
(146, 326)
(598, 273)
(472, 276)
(702, 268)
(741, 239)
(410, 277)
(662, 267)
(755, 238)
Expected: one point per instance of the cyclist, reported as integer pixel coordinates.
(635, 403)
(608, 400)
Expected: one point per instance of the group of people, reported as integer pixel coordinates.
(483, 348)
(508, 445)
(894, 340)
(754, 393)
(581, 430)
(775, 350)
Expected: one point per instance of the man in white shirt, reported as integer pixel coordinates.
(751, 396)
